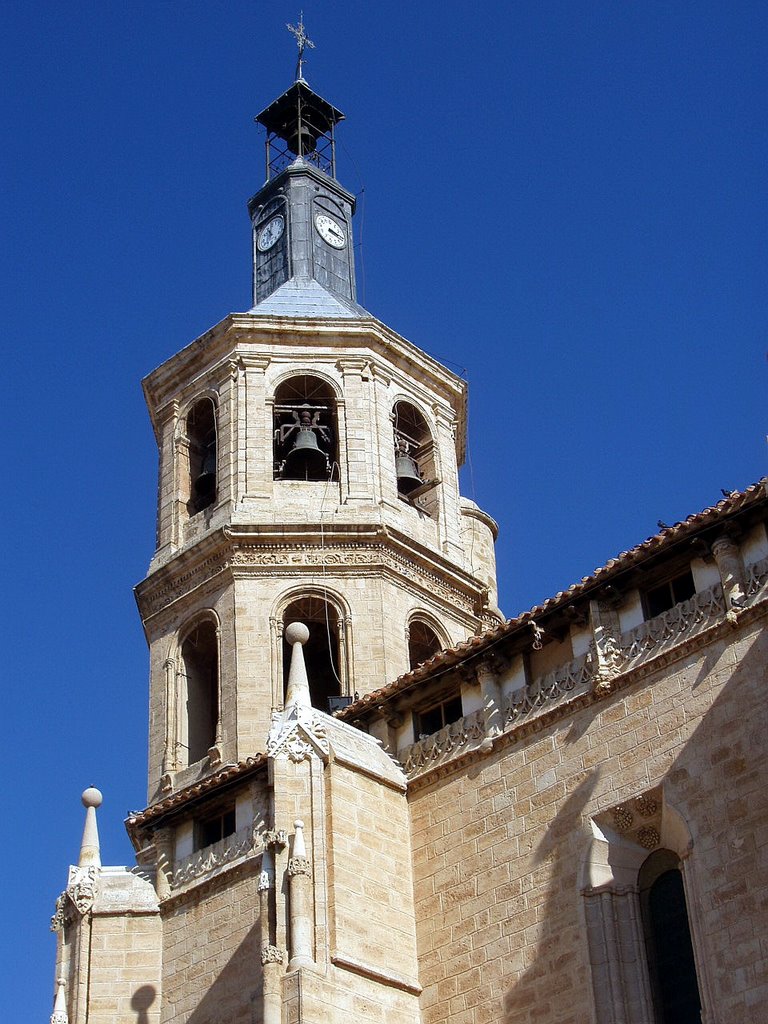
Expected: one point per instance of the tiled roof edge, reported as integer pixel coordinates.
(477, 645)
(163, 807)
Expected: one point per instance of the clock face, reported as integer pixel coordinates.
(270, 233)
(330, 231)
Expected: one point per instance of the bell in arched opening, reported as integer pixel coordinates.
(205, 483)
(306, 460)
(406, 467)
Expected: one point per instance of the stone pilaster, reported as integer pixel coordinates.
(300, 883)
(164, 838)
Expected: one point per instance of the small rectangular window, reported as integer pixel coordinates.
(436, 717)
(214, 829)
(666, 595)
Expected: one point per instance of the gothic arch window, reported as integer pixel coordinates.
(668, 946)
(423, 641)
(415, 465)
(201, 437)
(197, 692)
(305, 439)
(325, 653)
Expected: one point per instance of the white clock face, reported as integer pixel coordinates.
(270, 233)
(330, 231)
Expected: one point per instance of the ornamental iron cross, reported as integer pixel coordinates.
(302, 41)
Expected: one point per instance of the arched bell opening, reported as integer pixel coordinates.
(201, 442)
(415, 468)
(668, 943)
(305, 430)
(423, 642)
(198, 692)
(323, 650)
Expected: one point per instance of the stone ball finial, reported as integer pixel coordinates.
(298, 823)
(92, 797)
(296, 633)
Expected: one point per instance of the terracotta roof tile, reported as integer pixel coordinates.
(474, 645)
(228, 773)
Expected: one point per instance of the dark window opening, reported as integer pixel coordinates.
(435, 718)
(322, 652)
(423, 642)
(305, 430)
(415, 468)
(200, 661)
(214, 829)
(665, 596)
(668, 940)
(201, 435)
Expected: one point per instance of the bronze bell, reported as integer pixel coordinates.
(407, 473)
(306, 460)
(205, 484)
(302, 140)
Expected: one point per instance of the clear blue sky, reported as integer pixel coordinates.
(565, 200)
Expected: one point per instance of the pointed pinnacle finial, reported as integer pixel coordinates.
(297, 691)
(59, 1015)
(90, 853)
(302, 41)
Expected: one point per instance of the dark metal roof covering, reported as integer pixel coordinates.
(282, 112)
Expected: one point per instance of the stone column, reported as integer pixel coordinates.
(271, 956)
(169, 750)
(300, 883)
(493, 718)
(163, 838)
(728, 558)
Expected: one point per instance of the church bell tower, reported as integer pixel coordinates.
(308, 472)
(312, 546)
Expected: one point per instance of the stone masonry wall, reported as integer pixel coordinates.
(124, 969)
(211, 953)
(499, 845)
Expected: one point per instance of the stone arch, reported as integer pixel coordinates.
(196, 698)
(327, 653)
(425, 636)
(622, 838)
(416, 462)
(197, 447)
(305, 426)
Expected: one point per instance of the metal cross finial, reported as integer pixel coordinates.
(302, 41)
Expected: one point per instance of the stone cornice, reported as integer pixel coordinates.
(239, 552)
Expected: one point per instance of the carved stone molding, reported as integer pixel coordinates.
(59, 919)
(301, 736)
(82, 887)
(271, 955)
(278, 838)
(299, 866)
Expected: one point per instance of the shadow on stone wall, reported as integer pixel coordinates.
(714, 781)
(234, 995)
(141, 1000)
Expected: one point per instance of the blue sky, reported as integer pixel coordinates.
(565, 201)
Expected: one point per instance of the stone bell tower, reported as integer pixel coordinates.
(308, 471)
(312, 545)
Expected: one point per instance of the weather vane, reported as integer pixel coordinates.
(302, 41)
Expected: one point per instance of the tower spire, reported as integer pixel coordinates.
(302, 41)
